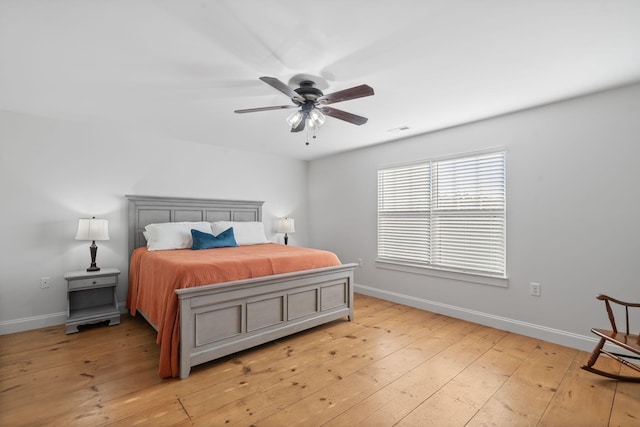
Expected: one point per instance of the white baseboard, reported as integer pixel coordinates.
(569, 339)
(37, 322)
(34, 322)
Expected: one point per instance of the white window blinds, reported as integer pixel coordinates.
(447, 214)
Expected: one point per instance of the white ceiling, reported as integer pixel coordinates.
(180, 68)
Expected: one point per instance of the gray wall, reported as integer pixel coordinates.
(53, 172)
(573, 204)
(572, 217)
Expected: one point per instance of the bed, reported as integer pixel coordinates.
(212, 320)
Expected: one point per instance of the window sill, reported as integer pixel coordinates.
(502, 282)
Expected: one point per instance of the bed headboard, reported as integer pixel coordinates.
(144, 210)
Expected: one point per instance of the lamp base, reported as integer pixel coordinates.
(93, 249)
(286, 239)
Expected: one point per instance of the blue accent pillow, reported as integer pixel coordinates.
(209, 241)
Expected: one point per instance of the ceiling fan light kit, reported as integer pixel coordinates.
(294, 119)
(316, 118)
(313, 118)
(311, 101)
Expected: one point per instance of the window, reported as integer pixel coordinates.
(446, 214)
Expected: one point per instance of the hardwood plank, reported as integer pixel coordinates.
(523, 398)
(85, 397)
(392, 365)
(53, 351)
(47, 384)
(445, 406)
(163, 415)
(385, 406)
(578, 401)
(625, 410)
(460, 399)
(329, 403)
(10, 344)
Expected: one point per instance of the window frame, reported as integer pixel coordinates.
(497, 276)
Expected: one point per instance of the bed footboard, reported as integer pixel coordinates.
(218, 320)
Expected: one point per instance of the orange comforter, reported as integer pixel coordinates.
(154, 275)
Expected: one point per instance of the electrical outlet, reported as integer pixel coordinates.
(360, 263)
(44, 282)
(534, 289)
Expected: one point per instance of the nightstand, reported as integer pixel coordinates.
(91, 298)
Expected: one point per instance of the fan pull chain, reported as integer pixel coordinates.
(314, 136)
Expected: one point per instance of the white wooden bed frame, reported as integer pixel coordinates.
(221, 319)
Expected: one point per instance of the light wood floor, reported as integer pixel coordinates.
(393, 365)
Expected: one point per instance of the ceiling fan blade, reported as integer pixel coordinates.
(344, 95)
(300, 125)
(343, 115)
(282, 87)
(253, 110)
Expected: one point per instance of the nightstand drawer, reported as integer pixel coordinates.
(93, 282)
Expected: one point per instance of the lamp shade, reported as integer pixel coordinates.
(286, 225)
(92, 229)
(294, 119)
(316, 119)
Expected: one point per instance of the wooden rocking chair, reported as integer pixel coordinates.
(626, 341)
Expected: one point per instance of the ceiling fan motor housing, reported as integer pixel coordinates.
(308, 91)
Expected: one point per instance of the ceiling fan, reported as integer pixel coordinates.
(312, 103)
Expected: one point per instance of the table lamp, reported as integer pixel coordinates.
(93, 229)
(286, 225)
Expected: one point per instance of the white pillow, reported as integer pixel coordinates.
(246, 233)
(173, 235)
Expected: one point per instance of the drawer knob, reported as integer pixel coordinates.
(94, 282)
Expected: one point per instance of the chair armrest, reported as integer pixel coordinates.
(603, 297)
